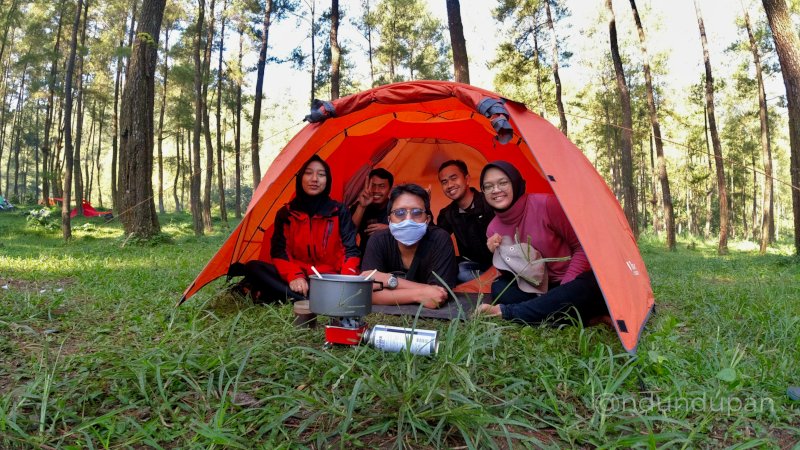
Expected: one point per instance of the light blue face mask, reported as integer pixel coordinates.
(408, 232)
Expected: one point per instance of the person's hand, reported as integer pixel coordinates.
(299, 285)
(365, 198)
(375, 227)
(493, 242)
(485, 309)
(432, 296)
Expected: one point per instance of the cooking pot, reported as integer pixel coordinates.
(341, 295)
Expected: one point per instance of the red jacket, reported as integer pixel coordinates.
(327, 241)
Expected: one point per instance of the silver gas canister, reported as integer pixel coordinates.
(397, 339)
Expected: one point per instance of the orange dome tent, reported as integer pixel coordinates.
(410, 129)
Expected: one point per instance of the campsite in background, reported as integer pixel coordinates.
(146, 146)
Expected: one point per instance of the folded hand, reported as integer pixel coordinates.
(432, 296)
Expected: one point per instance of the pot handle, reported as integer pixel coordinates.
(378, 283)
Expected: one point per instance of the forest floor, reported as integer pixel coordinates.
(94, 354)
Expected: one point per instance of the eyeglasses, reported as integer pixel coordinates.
(402, 213)
(501, 185)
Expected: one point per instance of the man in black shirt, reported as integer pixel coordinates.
(467, 217)
(369, 211)
(415, 261)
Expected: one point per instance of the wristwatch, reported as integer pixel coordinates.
(392, 282)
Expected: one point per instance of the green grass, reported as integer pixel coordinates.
(93, 354)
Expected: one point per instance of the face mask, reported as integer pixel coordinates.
(408, 232)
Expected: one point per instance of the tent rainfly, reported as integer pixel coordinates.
(410, 129)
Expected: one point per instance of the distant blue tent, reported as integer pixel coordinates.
(4, 204)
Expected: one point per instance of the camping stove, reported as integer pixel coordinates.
(346, 300)
(345, 331)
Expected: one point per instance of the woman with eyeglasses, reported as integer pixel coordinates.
(414, 259)
(311, 230)
(538, 220)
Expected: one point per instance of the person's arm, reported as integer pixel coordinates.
(406, 292)
(287, 269)
(358, 214)
(375, 227)
(347, 233)
(376, 256)
(561, 226)
(364, 200)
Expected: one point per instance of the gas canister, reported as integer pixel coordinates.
(397, 339)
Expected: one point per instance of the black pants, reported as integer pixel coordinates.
(264, 282)
(561, 303)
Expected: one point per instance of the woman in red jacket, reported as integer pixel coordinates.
(311, 230)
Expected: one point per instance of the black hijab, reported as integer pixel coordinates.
(311, 204)
(517, 182)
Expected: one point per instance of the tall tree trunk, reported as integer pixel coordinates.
(188, 167)
(119, 82)
(262, 60)
(457, 42)
(313, 52)
(14, 129)
(787, 45)
(115, 134)
(58, 167)
(238, 115)
(16, 134)
(370, 52)
(16, 140)
(628, 188)
(97, 162)
(654, 188)
(336, 51)
(11, 10)
(178, 151)
(3, 126)
(3, 102)
(130, 32)
(562, 118)
(754, 216)
(76, 168)
(138, 214)
(88, 167)
(48, 121)
(766, 151)
(66, 226)
(209, 172)
(23, 189)
(36, 151)
(666, 195)
(712, 185)
(223, 211)
(194, 197)
(537, 63)
(164, 73)
(724, 215)
(643, 188)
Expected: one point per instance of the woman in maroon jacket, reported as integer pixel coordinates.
(311, 230)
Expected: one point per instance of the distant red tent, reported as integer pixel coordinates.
(88, 210)
(410, 129)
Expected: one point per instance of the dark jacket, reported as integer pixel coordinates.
(469, 227)
(372, 214)
(327, 241)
